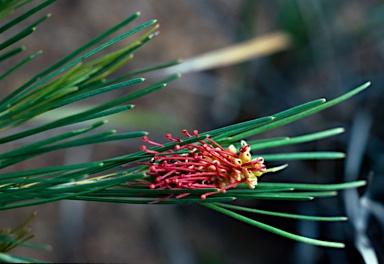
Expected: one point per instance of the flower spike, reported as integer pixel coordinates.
(202, 165)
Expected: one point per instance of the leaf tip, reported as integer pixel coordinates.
(275, 169)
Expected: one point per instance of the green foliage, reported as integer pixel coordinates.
(11, 238)
(81, 75)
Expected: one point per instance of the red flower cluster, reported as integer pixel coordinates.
(204, 165)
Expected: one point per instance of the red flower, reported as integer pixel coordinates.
(204, 165)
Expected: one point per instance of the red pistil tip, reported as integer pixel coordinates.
(244, 148)
(185, 132)
(203, 165)
(169, 137)
(146, 140)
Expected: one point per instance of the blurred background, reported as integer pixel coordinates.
(335, 47)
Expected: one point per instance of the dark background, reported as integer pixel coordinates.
(337, 45)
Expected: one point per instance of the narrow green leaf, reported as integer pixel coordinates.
(11, 53)
(90, 43)
(93, 139)
(315, 187)
(124, 55)
(94, 51)
(10, 6)
(145, 70)
(40, 20)
(229, 131)
(37, 190)
(152, 201)
(29, 58)
(55, 169)
(146, 193)
(273, 196)
(295, 140)
(291, 194)
(299, 108)
(26, 15)
(24, 88)
(280, 115)
(106, 113)
(285, 215)
(303, 156)
(258, 189)
(297, 112)
(274, 230)
(17, 37)
(101, 91)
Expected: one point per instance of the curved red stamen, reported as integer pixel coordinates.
(214, 143)
(170, 138)
(145, 139)
(253, 162)
(244, 148)
(185, 132)
(195, 133)
(144, 149)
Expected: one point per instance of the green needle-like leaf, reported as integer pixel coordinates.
(11, 53)
(26, 15)
(48, 141)
(107, 113)
(21, 91)
(94, 51)
(86, 189)
(8, 7)
(101, 91)
(55, 169)
(149, 69)
(295, 140)
(315, 187)
(274, 230)
(299, 112)
(20, 64)
(152, 201)
(303, 156)
(17, 37)
(284, 215)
